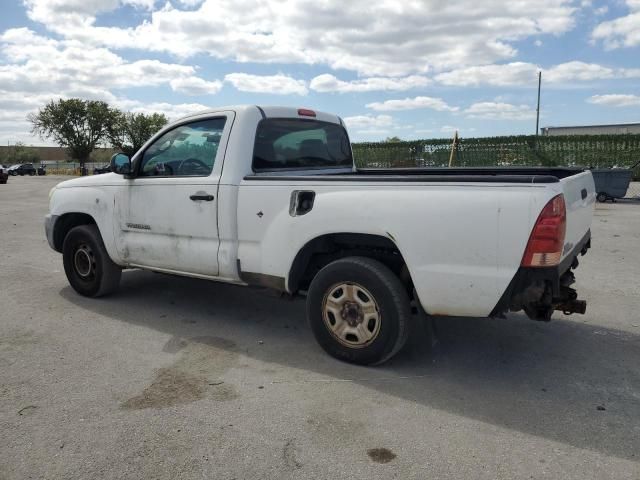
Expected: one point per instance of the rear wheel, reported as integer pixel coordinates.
(359, 310)
(89, 269)
(601, 197)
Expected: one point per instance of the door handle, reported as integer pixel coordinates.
(206, 198)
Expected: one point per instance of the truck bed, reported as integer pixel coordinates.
(437, 174)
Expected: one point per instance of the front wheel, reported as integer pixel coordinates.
(359, 310)
(89, 269)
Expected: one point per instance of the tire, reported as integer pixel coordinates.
(89, 269)
(601, 197)
(359, 311)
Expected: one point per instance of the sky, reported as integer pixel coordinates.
(407, 68)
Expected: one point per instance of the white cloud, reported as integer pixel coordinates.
(615, 100)
(516, 73)
(378, 132)
(172, 111)
(369, 121)
(500, 111)
(42, 10)
(577, 71)
(526, 74)
(329, 83)
(39, 64)
(601, 10)
(622, 31)
(276, 84)
(406, 37)
(195, 86)
(35, 69)
(412, 104)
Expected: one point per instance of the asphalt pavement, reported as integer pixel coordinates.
(175, 378)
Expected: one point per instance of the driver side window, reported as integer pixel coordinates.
(185, 151)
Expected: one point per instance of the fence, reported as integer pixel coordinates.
(524, 150)
(572, 150)
(69, 168)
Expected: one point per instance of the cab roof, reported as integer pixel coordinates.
(271, 112)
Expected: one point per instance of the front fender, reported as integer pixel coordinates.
(96, 202)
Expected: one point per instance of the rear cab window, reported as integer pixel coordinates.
(300, 144)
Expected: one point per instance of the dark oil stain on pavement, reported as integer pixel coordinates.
(381, 455)
(28, 410)
(289, 455)
(18, 338)
(187, 380)
(170, 387)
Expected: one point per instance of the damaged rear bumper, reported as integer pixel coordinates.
(541, 290)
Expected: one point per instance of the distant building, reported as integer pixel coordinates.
(592, 129)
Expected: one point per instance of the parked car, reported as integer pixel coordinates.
(106, 168)
(270, 196)
(4, 174)
(22, 169)
(42, 169)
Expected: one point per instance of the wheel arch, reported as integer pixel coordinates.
(66, 222)
(322, 250)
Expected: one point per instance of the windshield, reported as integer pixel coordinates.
(287, 144)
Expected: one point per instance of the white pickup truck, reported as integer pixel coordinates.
(270, 196)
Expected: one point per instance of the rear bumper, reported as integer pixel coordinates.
(540, 291)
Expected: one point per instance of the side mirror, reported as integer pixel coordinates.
(121, 164)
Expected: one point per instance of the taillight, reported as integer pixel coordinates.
(547, 238)
(305, 112)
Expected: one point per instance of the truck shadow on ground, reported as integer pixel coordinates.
(570, 382)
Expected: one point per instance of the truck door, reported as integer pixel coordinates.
(166, 216)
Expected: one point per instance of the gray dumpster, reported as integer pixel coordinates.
(611, 183)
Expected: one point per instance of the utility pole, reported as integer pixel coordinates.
(454, 147)
(538, 109)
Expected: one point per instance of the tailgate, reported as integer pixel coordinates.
(580, 196)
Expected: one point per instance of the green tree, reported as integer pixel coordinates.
(393, 140)
(24, 154)
(79, 125)
(131, 130)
